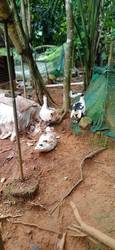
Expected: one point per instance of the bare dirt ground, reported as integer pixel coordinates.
(57, 171)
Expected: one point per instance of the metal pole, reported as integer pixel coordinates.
(13, 98)
(23, 75)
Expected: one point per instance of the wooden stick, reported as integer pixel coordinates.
(35, 225)
(2, 217)
(89, 156)
(96, 234)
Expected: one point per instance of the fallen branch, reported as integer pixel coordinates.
(89, 156)
(36, 226)
(91, 231)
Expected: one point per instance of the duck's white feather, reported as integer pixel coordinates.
(47, 141)
(74, 95)
(46, 112)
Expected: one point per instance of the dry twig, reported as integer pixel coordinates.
(89, 156)
(36, 226)
(38, 205)
(2, 217)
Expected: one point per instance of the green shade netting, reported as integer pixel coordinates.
(100, 102)
(52, 61)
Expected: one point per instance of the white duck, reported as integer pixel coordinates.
(78, 109)
(74, 94)
(46, 112)
(47, 141)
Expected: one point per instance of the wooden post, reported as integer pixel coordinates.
(13, 98)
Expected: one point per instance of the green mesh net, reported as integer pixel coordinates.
(100, 102)
(52, 61)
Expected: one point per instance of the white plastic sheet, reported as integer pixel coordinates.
(27, 111)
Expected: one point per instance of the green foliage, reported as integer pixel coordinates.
(94, 27)
(87, 21)
(48, 22)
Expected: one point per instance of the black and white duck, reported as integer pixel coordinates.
(78, 109)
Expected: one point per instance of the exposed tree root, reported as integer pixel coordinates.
(36, 226)
(89, 156)
(91, 231)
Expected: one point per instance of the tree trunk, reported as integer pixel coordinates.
(24, 18)
(21, 43)
(29, 19)
(68, 56)
(23, 76)
(35, 75)
(111, 59)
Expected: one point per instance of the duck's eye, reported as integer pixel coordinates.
(41, 145)
(45, 141)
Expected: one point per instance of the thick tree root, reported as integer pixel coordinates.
(91, 231)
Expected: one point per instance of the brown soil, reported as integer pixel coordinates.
(57, 171)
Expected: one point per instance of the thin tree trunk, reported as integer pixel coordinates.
(110, 58)
(24, 18)
(21, 43)
(29, 19)
(35, 75)
(68, 56)
(23, 75)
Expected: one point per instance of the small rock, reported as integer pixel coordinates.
(114, 186)
(28, 231)
(3, 179)
(57, 137)
(29, 144)
(85, 122)
(35, 247)
(65, 178)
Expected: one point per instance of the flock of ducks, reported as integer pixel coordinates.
(48, 139)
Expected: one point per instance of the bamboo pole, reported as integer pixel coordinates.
(13, 98)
